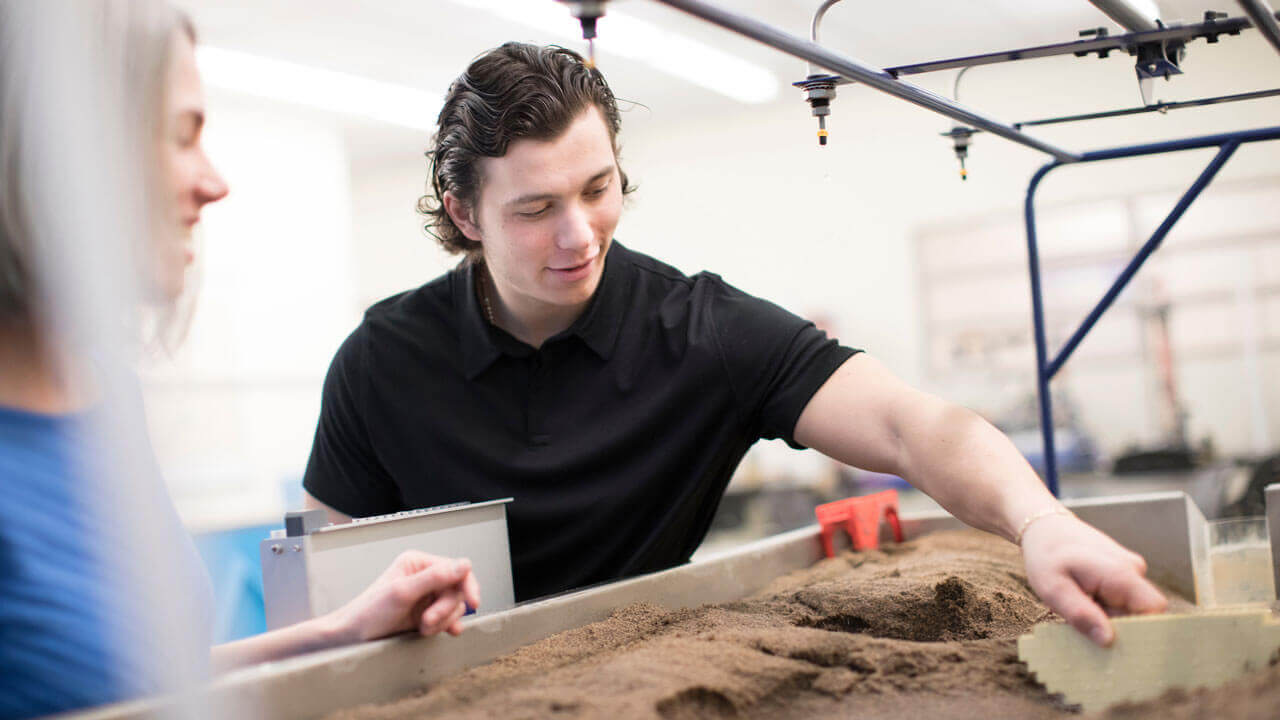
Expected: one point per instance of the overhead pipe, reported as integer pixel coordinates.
(813, 27)
(1264, 19)
(856, 70)
(1132, 15)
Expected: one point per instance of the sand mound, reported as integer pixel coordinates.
(926, 629)
(952, 586)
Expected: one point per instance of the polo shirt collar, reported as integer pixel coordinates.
(597, 327)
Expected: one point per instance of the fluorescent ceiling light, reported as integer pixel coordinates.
(635, 39)
(316, 88)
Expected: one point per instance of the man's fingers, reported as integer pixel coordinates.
(1080, 612)
(1131, 594)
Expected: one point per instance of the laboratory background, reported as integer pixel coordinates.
(319, 116)
(1062, 215)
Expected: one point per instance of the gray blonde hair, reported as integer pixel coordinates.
(81, 103)
(122, 52)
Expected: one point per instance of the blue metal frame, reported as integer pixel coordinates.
(1045, 370)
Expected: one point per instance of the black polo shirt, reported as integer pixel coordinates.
(616, 438)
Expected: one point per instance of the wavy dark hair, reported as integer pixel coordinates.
(512, 92)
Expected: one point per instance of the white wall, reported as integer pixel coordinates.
(392, 252)
(233, 411)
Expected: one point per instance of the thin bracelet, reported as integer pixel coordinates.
(1039, 516)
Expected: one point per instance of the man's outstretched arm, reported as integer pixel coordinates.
(865, 416)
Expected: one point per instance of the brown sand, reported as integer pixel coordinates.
(926, 629)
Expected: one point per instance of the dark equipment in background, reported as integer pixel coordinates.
(1253, 502)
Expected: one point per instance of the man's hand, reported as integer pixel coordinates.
(1084, 576)
(419, 591)
(865, 417)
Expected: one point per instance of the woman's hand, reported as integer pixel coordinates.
(1084, 576)
(418, 591)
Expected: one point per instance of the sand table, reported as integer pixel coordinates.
(925, 629)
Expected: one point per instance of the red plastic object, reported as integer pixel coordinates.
(860, 517)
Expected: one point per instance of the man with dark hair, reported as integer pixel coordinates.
(612, 395)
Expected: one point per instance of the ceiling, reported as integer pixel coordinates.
(425, 43)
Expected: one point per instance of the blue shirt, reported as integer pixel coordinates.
(72, 635)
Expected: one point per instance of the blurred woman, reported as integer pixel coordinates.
(102, 179)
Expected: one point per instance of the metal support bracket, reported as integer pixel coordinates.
(1100, 44)
(1265, 20)
(856, 70)
(1046, 368)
